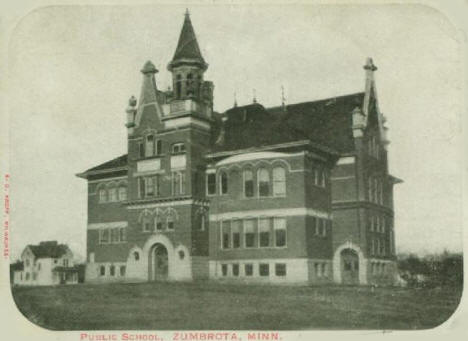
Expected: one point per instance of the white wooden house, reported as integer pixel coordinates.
(48, 263)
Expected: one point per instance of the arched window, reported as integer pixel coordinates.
(263, 182)
(248, 183)
(223, 182)
(136, 256)
(202, 220)
(112, 270)
(279, 181)
(158, 222)
(122, 193)
(102, 195)
(149, 147)
(170, 222)
(178, 87)
(102, 270)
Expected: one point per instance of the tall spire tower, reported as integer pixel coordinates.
(192, 95)
(187, 64)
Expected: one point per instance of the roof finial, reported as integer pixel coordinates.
(235, 99)
(187, 14)
(283, 99)
(370, 65)
(254, 96)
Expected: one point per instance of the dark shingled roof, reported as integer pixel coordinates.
(49, 249)
(187, 46)
(120, 161)
(327, 122)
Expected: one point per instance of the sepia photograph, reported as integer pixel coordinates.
(248, 167)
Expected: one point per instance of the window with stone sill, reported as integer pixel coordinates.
(264, 270)
(248, 269)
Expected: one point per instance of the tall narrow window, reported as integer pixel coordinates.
(370, 189)
(149, 183)
(263, 182)
(178, 87)
(103, 236)
(114, 235)
(149, 148)
(279, 181)
(264, 232)
(211, 184)
(226, 234)
(189, 85)
(236, 232)
(203, 221)
(141, 149)
(248, 184)
(146, 222)
(249, 233)
(122, 234)
(178, 183)
(279, 225)
(141, 188)
(223, 182)
(376, 190)
(158, 147)
(102, 195)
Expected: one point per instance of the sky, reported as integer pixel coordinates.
(72, 70)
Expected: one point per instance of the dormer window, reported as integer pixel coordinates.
(178, 148)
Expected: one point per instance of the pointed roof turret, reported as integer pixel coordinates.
(148, 89)
(187, 51)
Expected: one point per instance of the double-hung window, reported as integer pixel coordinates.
(279, 226)
(248, 184)
(249, 233)
(279, 181)
(236, 232)
(264, 232)
(226, 234)
(263, 182)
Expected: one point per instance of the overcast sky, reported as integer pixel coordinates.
(73, 69)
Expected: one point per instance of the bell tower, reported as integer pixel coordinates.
(191, 95)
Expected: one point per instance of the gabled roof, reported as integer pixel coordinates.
(187, 46)
(48, 249)
(118, 163)
(327, 122)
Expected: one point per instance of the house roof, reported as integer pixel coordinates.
(48, 249)
(326, 122)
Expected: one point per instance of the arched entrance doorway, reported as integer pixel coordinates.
(349, 260)
(158, 263)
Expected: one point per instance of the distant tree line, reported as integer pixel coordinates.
(445, 269)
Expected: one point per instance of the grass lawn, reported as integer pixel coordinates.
(208, 305)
